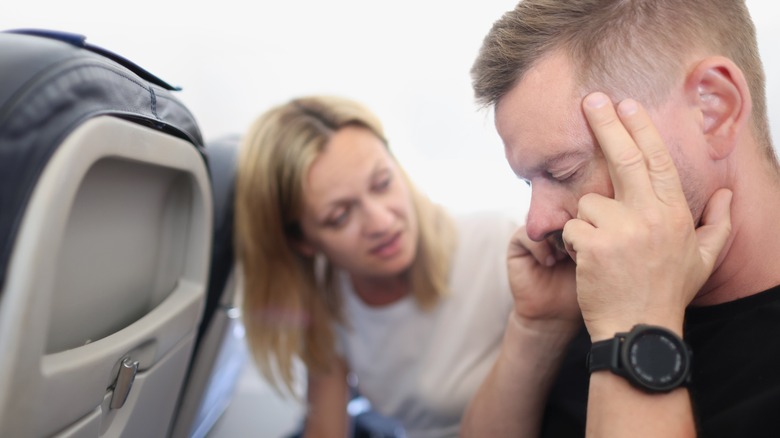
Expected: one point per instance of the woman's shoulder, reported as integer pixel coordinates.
(482, 240)
(485, 225)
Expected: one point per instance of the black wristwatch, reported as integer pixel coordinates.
(651, 358)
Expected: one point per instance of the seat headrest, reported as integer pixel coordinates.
(52, 83)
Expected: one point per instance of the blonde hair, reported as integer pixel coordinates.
(288, 308)
(624, 47)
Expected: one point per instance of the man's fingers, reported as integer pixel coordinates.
(521, 245)
(599, 210)
(715, 228)
(575, 233)
(625, 160)
(660, 167)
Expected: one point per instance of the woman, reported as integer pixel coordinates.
(349, 269)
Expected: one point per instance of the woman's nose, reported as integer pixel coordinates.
(377, 218)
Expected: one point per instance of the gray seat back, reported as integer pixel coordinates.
(105, 221)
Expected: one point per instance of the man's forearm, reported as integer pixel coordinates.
(510, 402)
(616, 409)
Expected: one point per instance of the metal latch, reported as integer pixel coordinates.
(124, 381)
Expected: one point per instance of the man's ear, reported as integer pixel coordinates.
(717, 87)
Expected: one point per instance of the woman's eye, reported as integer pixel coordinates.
(383, 184)
(339, 219)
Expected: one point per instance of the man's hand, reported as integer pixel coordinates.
(543, 285)
(639, 257)
(511, 400)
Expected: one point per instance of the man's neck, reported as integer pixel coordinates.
(751, 259)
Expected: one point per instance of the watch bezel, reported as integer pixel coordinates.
(677, 377)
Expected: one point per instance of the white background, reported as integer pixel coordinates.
(407, 60)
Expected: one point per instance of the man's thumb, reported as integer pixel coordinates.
(715, 227)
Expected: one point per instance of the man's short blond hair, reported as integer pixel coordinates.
(627, 48)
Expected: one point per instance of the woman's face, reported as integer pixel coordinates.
(357, 207)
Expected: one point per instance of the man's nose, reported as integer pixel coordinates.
(546, 215)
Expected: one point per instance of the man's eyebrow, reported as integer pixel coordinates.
(577, 153)
(548, 162)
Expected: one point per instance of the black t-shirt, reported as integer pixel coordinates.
(735, 381)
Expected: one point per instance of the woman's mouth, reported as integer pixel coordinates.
(388, 247)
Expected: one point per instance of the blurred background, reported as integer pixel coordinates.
(407, 60)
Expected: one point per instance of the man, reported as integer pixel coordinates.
(648, 221)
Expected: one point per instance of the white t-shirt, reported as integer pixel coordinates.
(422, 368)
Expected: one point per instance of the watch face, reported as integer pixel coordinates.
(656, 359)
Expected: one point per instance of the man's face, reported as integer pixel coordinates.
(549, 144)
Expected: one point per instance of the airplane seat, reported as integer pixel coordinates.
(220, 353)
(105, 241)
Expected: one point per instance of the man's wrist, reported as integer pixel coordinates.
(649, 357)
(607, 330)
(545, 327)
(530, 345)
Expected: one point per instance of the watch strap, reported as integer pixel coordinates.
(609, 355)
(605, 355)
